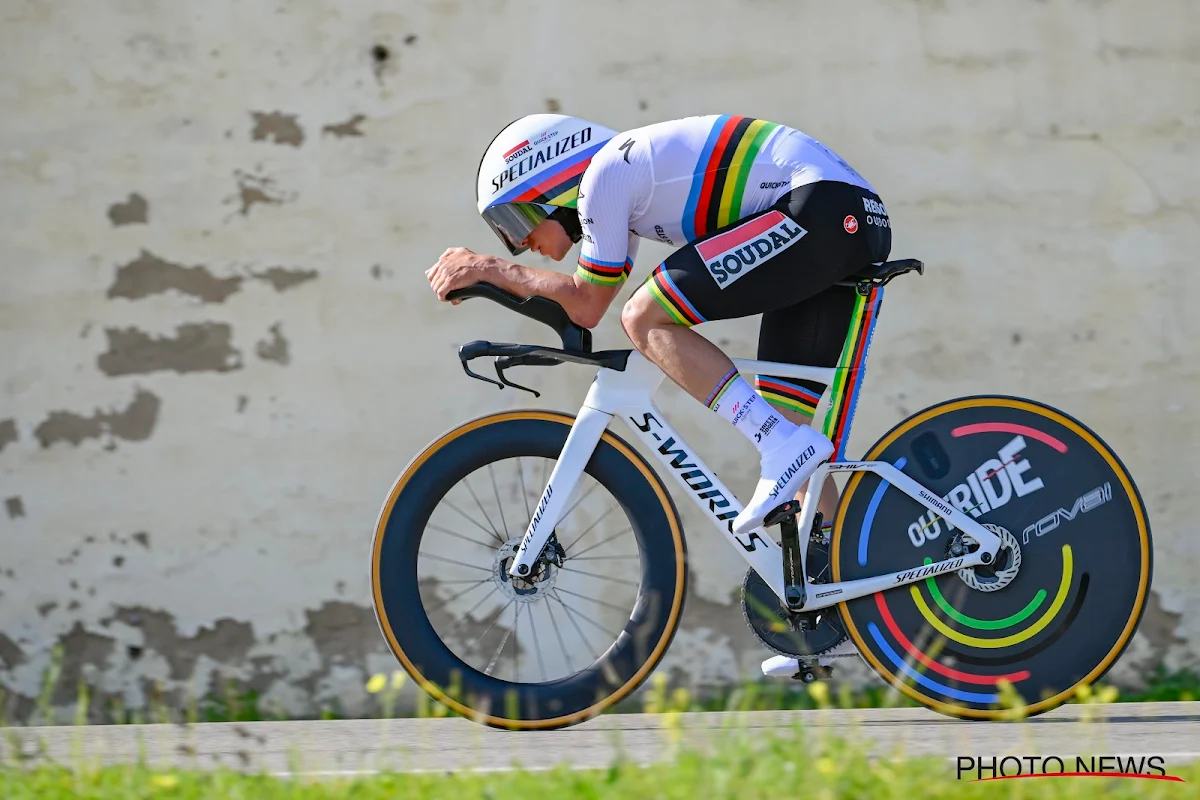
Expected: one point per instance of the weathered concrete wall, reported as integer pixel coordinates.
(219, 348)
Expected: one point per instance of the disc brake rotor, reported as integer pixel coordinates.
(538, 583)
(1000, 573)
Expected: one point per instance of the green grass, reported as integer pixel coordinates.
(736, 766)
(777, 695)
(234, 703)
(735, 763)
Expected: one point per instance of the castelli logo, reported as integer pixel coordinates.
(850, 223)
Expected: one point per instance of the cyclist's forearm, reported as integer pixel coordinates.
(584, 303)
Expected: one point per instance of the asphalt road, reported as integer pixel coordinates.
(349, 747)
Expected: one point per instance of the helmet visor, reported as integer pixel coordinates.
(513, 222)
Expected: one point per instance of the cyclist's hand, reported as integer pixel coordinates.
(457, 268)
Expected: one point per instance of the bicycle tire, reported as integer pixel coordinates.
(1055, 647)
(442, 674)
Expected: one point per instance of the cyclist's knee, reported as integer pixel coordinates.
(641, 313)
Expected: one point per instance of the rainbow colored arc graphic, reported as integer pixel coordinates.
(931, 668)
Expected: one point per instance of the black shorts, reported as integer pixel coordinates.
(784, 263)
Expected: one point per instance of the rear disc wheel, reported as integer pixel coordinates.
(1052, 614)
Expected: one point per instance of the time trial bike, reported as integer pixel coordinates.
(529, 567)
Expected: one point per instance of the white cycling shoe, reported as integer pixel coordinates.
(784, 471)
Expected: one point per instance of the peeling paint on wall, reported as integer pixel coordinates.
(15, 507)
(282, 279)
(344, 129)
(8, 433)
(10, 655)
(276, 127)
(257, 190)
(135, 210)
(343, 633)
(381, 59)
(80, 648)
(134, 424)
(226, 640)
(1160, 626)
(148, 274)
(276, 348)
(195, 347)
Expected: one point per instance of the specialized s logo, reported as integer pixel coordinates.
(734, 253)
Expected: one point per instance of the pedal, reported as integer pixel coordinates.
(780, 667)
(811, 673)
(787, 511)
(803, 671)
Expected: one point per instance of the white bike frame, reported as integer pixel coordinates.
(629, 394)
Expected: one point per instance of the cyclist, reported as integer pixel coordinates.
(766, 220)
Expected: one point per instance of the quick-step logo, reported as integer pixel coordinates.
(734, 253)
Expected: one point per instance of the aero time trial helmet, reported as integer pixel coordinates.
(531, 170)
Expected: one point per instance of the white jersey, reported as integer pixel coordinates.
(676, 181)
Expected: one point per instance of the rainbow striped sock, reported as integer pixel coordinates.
(735, 401)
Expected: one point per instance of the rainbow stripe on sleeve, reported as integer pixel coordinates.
(604, 273)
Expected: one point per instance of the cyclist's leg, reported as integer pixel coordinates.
(811, 332)
(764, 262)
(814, 332)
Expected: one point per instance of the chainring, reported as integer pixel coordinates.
(768, 618)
